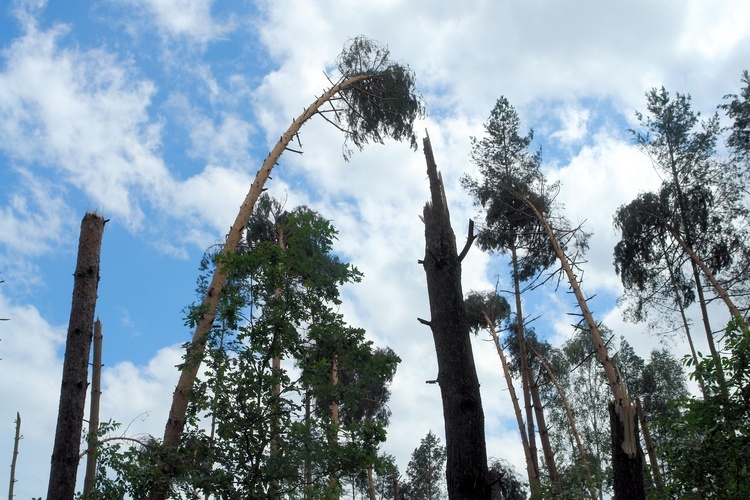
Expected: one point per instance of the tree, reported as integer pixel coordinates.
(511, 485)
(695, 215)
(62, 480)
(467, 474)
(373, 98)
(738, 109)
(425, 470)
(507, 166)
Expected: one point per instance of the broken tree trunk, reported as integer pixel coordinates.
(62, 479)
(622, 405)
(627, 457)
(96, 392)
(466, 467)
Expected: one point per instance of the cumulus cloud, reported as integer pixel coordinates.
(184, 18)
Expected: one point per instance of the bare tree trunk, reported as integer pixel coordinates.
(573, 427)
(96, 392)
(466, 468)
(549, 456)
(15, 457)
(194, 356)
(530, 469)
(62, 480)
(371, 484)
(525, 369)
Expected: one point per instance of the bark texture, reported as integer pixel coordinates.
(627, 456)
(466, 467)
(62, 479)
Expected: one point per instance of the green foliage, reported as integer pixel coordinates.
(708, 442)
(738, 109)
(270, 430)
(425, 471)
(385, 104)
(487, 302)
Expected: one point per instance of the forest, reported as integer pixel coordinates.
(280, 397)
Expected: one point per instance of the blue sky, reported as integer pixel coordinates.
(157, 114)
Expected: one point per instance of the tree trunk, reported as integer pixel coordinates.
(333, 438)
(573, 427)
(549, 456)
(649, 444)
(621, 404)
(62, 480)
(15, 457)
(627, 457)
(194, 356)
(530, 469)
(525, 371)
(371, 484)
(96, 392)
(466, 467)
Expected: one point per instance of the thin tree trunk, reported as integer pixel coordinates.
(194, 356)
(371, 484)
(649, 444)
(549, 456)
(466, 467)
(96, 392)
(573, 427)
(307, 465)
(334, 436)
(15, 457)
(62, 480)
(525, 369)
(530, 470)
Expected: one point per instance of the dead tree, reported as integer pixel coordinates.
(15, 456)
(466, 467)
(62, 479)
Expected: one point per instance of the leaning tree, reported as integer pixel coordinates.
(373, 98)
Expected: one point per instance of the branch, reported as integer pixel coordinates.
(469, 240)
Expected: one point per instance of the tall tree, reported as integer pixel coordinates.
(507, 166)
(372, 99)
(699, 200)
(425, 470)
(466, 469)
(62, 479)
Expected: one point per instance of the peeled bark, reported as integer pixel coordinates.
(627, 457)
(466, 467)
(649, 444)
(62, 480)
(96, 392)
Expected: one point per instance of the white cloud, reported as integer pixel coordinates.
(185, 18)
(84, 115)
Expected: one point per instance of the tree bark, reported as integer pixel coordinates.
(627, 456)
(466, 466)
(96, 392)
(62, 480)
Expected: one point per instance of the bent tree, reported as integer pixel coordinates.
(373, 98)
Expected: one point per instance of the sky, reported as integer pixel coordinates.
(157, 114)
